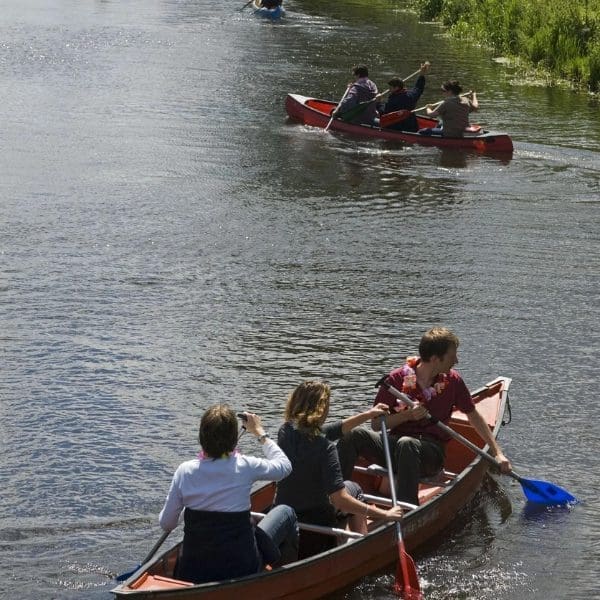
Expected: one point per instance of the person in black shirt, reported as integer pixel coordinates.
(403, 99)
(315, 489)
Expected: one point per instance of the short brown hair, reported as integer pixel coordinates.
(452, 86)
(360, 71)
(218, 431)
(436, 342)
(308, 405)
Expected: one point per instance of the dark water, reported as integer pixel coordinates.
(168, 240)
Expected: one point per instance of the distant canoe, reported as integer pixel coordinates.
(316, 575)
(267, 13)
(316, 113)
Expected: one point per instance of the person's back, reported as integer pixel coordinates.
(315, 474)
(403, 99)
(454, 112)
(220, 540)
(362, 91)
(315, 488)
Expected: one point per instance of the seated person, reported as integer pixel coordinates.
(220, 540)
(315, 489)
(404, 99)
(271, 3)
(418, 445)
(361, 92)
(454, 111)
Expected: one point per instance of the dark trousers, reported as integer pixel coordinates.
(224, 545)
(412, 458)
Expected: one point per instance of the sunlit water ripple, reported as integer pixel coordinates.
(171, 240)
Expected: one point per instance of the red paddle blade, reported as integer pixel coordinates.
(407, 584)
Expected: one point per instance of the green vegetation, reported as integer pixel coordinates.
(558, 38)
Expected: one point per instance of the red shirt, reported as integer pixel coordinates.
(454, 395)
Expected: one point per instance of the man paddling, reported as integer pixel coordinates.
(363, 90)
(402, 99)
(417, 444)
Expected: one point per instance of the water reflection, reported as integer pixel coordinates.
(539, 513)
(170, 241)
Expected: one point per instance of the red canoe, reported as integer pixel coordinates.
(316, 575)
(315, 113)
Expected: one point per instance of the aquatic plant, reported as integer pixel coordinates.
(561, 38)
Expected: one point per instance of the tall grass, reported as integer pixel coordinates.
(562, 38)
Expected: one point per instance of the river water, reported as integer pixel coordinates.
(169, 240)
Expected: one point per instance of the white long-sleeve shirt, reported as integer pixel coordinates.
(221, 485)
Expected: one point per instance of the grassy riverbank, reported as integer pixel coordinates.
(559, 39)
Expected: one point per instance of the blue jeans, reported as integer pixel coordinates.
(431, 131)
(281, 525)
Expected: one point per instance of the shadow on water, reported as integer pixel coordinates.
(166, 233)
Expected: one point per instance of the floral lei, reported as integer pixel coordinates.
(409, 381)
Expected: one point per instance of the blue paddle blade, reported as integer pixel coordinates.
(544, 492)
(124, 576)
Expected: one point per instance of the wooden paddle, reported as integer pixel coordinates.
(407, 581)
(152, 552)
(351, 535)
(332, 117)
(362, 106)
(541, 492)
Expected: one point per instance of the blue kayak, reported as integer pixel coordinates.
(273, 14)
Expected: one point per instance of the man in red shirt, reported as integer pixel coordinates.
(417, 444)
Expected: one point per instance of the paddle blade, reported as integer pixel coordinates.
(544, 492)
(124, 576)
(407, 584)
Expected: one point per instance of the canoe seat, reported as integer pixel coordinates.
(149, 582)
(443, 477)
(428, 487)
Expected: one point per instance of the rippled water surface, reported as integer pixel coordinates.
(169, 240)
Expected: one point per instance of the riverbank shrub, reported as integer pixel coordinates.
(560, 38)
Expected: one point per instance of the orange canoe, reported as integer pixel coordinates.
(321, 574)
(316, 113)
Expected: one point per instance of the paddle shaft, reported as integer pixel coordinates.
(319, 528)
(454, 434)
(388, 464)
(152, 552)
(438, 103)
(402, 554)
(332, 117)
(156, 546)
(247, 3)
(412, 75)
(387, 91)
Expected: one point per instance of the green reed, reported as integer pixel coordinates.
(561, 39)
